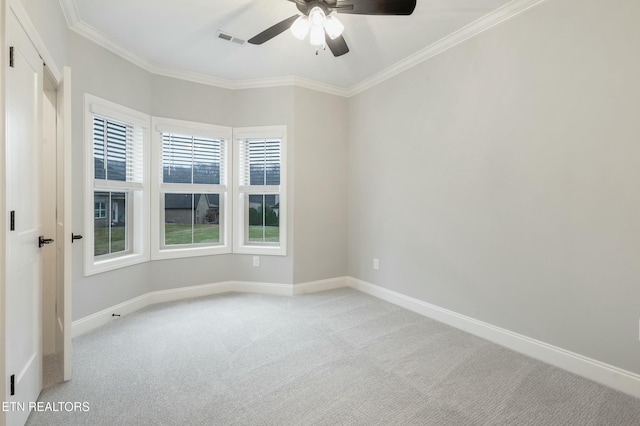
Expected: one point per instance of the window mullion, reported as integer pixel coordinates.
(264, 216)
(259, 189)
(109, 219)
(105, 144)
(193, 216)
(193, 154)
(185, 188)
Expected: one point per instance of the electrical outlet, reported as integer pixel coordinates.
(256, 260)
(376, 264)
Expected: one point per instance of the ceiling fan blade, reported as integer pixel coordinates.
(273, 31)
(376, 7)
(337, 46)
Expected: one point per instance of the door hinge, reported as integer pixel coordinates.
(11, 56)
(12, 221)
(13, 384)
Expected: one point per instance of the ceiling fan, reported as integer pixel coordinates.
(323, 27)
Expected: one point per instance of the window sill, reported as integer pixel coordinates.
(177, 253)
(106, 265)
(261, 250)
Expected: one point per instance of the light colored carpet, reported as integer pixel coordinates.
(52, 373)
(336, 357)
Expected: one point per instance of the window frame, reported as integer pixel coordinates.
(240, 212)
(158, 249)
(138, 198)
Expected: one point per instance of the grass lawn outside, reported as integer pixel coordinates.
(101, 240)
(180, 233)
(271, 234)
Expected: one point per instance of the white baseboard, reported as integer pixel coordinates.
(105, 316)
(600, 372)
(322, 285)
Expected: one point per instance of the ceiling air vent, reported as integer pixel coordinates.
(228, 37)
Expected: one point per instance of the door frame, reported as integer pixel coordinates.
(64, 174)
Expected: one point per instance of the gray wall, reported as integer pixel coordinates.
(104, 74)
(500, 179)
(49, 21)
(320, 186)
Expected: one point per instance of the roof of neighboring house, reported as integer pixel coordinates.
(183, 201)
(270, 199)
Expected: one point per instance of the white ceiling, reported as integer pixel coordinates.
(181, 35)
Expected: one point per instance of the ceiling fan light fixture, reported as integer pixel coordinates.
(316, 35)
(317, 16)
(333, 27)
(300, 27)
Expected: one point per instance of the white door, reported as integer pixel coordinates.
(63, 221)
(24, 277)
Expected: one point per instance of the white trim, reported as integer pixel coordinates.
(189, 76)
(321, 285)
(508, 11)
(139, 244)
(3, 209)
(34, 36)
(288, 81)
(240, 214)
(116, 111)
(70, 12)
(158, 249)
(105, 316)
(193, 128)
(486, 22)
(608, 375)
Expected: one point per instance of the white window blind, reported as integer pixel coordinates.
(117, 150)
(192, 159)
(260, 161)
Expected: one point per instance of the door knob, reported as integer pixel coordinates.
(42, 241)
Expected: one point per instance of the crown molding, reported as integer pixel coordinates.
(488, 21)
(289, 81)
(321, 87)
(508, 11)
(70, 12)
(190, 76)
